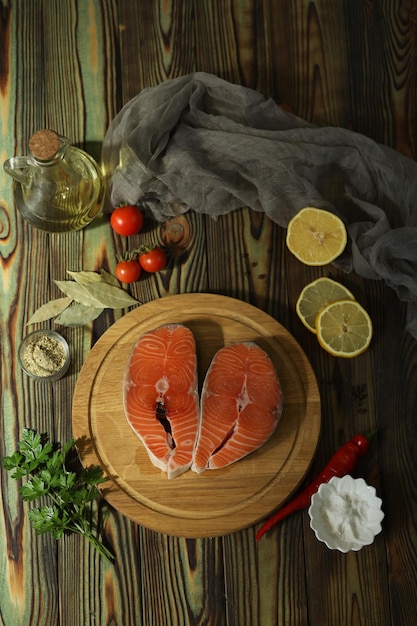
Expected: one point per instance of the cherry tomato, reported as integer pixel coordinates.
(128, 271)
(153, 260)
(126, 220)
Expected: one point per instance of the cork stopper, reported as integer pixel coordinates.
(44, 144)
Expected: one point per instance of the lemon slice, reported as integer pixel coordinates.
(315, 236)
(344, 328)
(315, 296)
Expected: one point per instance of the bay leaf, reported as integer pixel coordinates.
(79, 292)
(111, 296)
(85, 276)
(49, 310)
(106, 277)
(78, 315)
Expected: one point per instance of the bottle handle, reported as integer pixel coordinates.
(16, 166)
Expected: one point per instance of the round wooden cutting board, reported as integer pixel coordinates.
(216, 502)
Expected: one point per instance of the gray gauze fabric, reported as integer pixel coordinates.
(199, 142)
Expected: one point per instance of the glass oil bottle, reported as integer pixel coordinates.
(57, 187)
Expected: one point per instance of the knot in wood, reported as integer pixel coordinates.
(176, 232)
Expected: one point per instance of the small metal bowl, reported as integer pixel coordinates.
(346, 514)
(44, 355)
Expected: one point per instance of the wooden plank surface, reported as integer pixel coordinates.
(71, 66)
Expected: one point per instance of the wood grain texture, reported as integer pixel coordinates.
(72, 65)
(195, 597)
(384, 36)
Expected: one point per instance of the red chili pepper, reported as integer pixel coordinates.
(342, 463)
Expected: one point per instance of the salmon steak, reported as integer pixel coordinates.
(160, 395)
(240, 406)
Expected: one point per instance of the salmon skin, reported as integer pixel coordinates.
(160, 394)
(241, 404)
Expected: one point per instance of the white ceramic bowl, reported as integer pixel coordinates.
(345, 513)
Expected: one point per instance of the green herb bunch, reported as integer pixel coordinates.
(71, 494)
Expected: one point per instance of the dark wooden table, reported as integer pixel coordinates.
(71, 66)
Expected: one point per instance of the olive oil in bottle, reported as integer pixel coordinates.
(58, 187)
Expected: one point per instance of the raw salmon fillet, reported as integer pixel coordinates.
(161, 396)
(241, 404)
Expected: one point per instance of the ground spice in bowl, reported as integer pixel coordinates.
(44, 355)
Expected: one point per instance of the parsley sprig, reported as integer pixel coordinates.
(71, 494)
